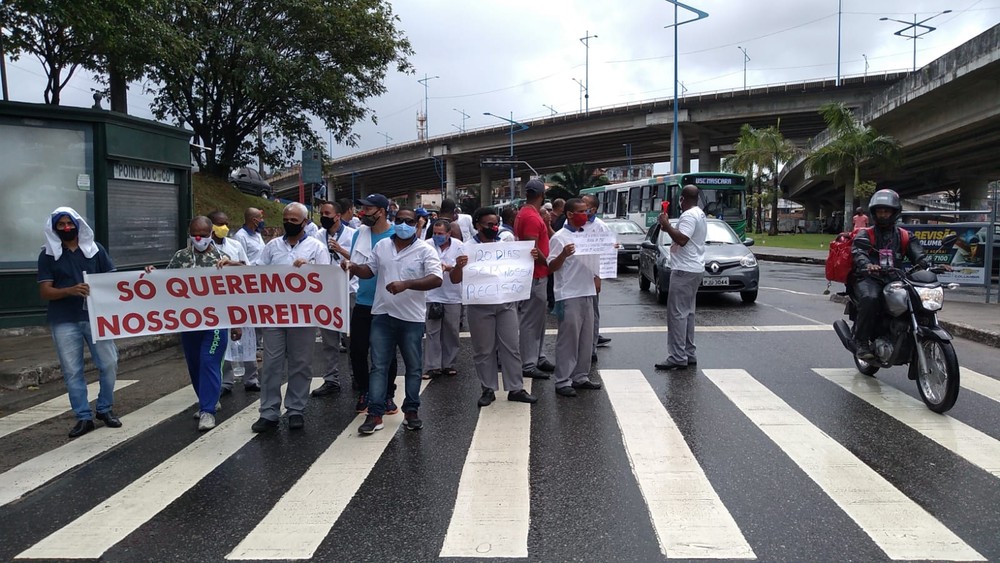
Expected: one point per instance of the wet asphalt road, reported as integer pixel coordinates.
(586, 503)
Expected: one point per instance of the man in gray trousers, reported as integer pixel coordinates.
(687, 264)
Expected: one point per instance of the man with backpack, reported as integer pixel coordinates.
(874, 249)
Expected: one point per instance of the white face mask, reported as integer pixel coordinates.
(200, 243)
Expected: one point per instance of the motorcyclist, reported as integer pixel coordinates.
(870, 257)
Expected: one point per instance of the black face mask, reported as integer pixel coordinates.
(489, 234)
(67, 235)
(328, 222)
(369, 220)
(291, 229)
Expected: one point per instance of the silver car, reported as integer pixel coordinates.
(729, 264)
(629, 236)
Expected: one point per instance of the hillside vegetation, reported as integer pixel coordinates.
(211, 193)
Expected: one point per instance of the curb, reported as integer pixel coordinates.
(793, 259)
(51, 371)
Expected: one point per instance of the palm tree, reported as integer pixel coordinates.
(744, 161)
(572, 178)
(852, 144)
(760, 150)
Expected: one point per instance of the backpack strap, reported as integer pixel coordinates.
(904, 238)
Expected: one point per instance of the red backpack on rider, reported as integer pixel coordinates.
(839, 261)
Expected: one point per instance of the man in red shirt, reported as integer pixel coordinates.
(528, 225)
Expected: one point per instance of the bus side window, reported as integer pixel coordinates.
(646, 203)
(658, 198)
(633, 200)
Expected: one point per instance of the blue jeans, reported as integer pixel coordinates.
(387, 334)
(69, 339)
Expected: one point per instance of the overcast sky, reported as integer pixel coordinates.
(504, 56)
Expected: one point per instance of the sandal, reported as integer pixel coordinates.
(450, 372)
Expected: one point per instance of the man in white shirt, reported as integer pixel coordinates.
(337, 238)
(451, 211)
(592, 206)
(249, 234)
(687, 264)
(444, 306)
(288, 346)
(407, 268)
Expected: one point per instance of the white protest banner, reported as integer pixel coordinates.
(593, 241)
(497, 272)
(123, 304)
(609, 265)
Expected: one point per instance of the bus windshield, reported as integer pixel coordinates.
(721, 204)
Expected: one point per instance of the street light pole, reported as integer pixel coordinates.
(387, 138)
(577, 80)
(586, 66)
(464, 117)
(427, 124)
(551, 109)
(865, 57)
(699, 15)
(925, 29)
(746, 58)
(512, 124)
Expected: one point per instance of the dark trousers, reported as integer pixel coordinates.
(361, 330)
(869, 294)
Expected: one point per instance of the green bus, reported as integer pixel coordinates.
(723, 196)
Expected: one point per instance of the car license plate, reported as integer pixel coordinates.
(635, 257)
(714, 281)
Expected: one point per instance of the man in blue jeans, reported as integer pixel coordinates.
(70, 251)
(406, 267)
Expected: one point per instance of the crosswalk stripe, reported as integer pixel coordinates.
(687, 514)
(28, 476)
(91, 535)
(900, 527)
(493, 506)
(663, 328)
(982, 384)
(49, 409)
(302, 519)
(976, 447)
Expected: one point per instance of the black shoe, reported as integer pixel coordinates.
(252, 388)
(593, 358)
(109, 419)
(692, 361)
(487, 397)
(81, 428)
(667, 364)
(412, 422)
(264, 425)
(546, 365)
(371, 424)
(535, 374)
(296, 421)
(328, 388)
(226, 391)
(362, 404)
(522, 396)
(602, 340)
(566, 391)
(586, 384)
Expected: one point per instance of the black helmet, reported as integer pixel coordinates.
(888, 199)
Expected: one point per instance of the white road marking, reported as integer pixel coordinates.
(303, 518)
(49, 409)
(28, 476)
(900, 527)
(982, 384)
(663, 328)
(687, 514)
(976, 447)
(493, 505)
(111, 521)
(792, 291)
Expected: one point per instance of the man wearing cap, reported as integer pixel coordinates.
(70, 251)
(529, 226)
(423, 223)
(374, 228)
(336, 237)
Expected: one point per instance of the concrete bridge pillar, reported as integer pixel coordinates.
(451, 180)
(485, 188)
(812, 210)
(973, 192)
(705, 160)
(682, 166)
(685, 157)
(411, 199)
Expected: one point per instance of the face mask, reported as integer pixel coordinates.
(220, 231)
(200, 243)
(489, 233)
(260, 226)
(405, 232)
(328, 222)
(67, 235)
(578, 220)
(440, 239)
(591, 215)
(291, 229)
(369, 220)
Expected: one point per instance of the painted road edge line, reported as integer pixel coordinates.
(663, 328)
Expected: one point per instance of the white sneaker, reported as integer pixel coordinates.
(197, 413)
(206, 421)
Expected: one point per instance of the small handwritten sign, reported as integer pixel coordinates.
(609, 265)
(497, 272)
(593, 241)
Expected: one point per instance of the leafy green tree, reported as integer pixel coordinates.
(852, 144)
(572, 178)
(760, 152)
(277, 64)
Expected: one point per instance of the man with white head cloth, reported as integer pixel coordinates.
(70, 251)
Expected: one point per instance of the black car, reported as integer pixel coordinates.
(629, 236)
(729, 264)
(248, 181)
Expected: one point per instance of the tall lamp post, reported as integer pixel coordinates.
(746, 59)
(586, 66)
(387, 137)
(918, 30)
(698, 15)
(512, 124)
(865, 57)
(464, 117)
(577, 80)
(427, 124)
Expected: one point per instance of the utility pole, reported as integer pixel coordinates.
(746, 58)
(387, 138)
(577, 80)
(427, 124)
(586, 65)
(913, 26)
(464, 117)
(551, 109)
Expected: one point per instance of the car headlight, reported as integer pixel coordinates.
(748, 261)
(931, 298)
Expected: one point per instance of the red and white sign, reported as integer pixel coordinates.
(124, 304)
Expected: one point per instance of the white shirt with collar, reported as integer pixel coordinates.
(415, 261)
(691, 256)
(448, 292)
(576, 276)
(233, 250)
(465, 224)
(252, 243)
(344, 240)
(279, 252)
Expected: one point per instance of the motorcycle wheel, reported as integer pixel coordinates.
(864, 367)
(939, 388)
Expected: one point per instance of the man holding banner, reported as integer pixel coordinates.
(495, 276)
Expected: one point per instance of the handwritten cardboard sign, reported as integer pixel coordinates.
(594, 241)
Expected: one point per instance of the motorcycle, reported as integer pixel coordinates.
(908, 333)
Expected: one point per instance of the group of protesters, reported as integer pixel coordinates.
(405, 269)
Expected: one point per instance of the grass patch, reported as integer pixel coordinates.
(801, 241)
(211, 193)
